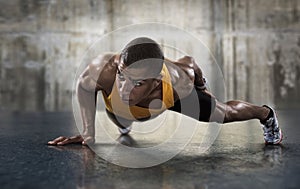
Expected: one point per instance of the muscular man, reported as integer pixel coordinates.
(141, 83)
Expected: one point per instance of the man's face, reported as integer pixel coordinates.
(135, 84)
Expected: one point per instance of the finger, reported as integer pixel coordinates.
(59, 139)
(75, 139)
(88, 141)
(55, 141)
(63, 142)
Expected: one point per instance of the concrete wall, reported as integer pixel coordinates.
(256, 43)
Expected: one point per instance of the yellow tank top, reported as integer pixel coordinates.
(116, 106)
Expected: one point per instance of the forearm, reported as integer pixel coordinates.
(87, 103)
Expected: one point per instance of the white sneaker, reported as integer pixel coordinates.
(272, 132)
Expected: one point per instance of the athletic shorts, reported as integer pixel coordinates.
(198, 105)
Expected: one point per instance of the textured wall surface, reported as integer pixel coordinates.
(256, 43)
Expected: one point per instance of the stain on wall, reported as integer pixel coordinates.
(256, 44)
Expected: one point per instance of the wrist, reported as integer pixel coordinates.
(88, 131)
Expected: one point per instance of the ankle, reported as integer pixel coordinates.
(267, 115)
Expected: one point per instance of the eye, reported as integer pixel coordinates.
(137, 83)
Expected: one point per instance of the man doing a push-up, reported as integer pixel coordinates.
(140, 83)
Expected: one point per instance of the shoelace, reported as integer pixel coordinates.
(269, 122)
(268, 132)
(270, 126)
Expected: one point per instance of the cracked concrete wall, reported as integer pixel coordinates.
(256, 43)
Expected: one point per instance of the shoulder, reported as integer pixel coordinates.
(102, 64)
(182, 75)
(182, 67)
(102, 61)
(186, 61)
(100, 73)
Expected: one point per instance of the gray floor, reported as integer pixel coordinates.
(237, 159)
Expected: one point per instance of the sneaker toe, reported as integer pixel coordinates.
(278, 137)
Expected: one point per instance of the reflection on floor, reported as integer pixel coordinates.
(237, 158)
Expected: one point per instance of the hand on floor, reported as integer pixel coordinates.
(62, 140)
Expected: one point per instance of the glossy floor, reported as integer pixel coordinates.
(238, 158)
